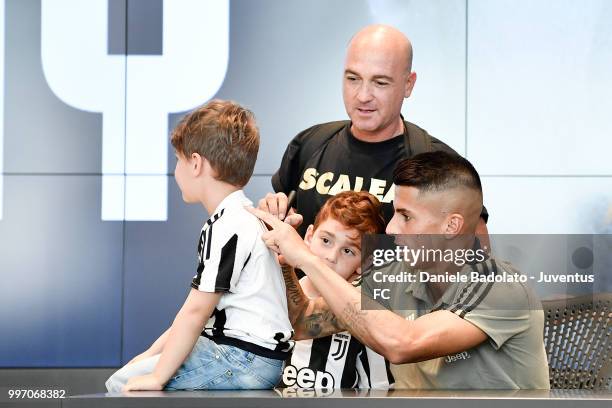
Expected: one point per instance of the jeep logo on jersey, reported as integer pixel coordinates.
(456, 357)
(134, 93)
(307, 378)
(328, 184)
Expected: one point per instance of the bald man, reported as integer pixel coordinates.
(359, 154)
(470, 333)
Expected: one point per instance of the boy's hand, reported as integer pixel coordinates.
(147, 382)
(283, 239)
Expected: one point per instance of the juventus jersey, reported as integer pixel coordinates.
(336, 361)
(232, 258)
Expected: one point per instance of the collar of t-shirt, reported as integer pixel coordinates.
(371, 148)
(235, 199)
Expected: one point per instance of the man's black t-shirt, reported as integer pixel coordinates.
(342, 163)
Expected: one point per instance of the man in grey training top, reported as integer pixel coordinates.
(467, 335)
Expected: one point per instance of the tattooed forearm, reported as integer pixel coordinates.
(295, 294)
(354, 319)
(297, 302)
(310, 318)
(319, 322)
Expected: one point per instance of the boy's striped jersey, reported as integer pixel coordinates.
(336, 361)
(233, 259)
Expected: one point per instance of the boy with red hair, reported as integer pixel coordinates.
(339, 360)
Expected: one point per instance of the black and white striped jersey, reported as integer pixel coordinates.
(336, 361)
(232, 258)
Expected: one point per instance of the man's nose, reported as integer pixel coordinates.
(364, 93)
(391, 227)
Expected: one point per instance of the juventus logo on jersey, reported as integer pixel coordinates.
(342, 346)
(336, 361)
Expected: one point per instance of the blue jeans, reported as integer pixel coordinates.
(212, 366)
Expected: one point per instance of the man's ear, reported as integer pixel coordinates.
(309, 234)
(453, 225)
(410, 81)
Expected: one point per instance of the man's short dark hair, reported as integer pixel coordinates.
(437, 171)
